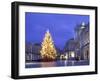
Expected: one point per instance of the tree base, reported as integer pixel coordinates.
(47, 59)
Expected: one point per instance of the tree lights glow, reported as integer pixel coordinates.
(48, 51)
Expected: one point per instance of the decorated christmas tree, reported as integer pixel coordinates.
(48, 51)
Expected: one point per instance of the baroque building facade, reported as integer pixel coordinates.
(70, 48)
(82, 35)
(32, 52)
(79, 45)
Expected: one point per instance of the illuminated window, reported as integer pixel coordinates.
(72, 54)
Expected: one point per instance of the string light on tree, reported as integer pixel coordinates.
(48, 51)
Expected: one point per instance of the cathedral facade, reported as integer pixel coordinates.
(79, 45)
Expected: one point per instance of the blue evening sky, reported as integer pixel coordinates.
(61, 26)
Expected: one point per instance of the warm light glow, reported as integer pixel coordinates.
(66, 57)
(48, 50)
(72, 54)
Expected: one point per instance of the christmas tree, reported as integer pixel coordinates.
(48, 51)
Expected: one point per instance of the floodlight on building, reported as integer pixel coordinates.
(83, 25)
